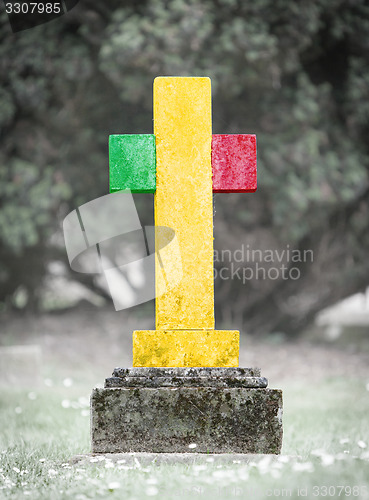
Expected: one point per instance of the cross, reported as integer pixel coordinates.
(183, 164)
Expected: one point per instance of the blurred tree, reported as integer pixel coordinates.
(296, 74)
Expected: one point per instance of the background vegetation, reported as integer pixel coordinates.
(294, 73)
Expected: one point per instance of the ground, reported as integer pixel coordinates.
(326, 403)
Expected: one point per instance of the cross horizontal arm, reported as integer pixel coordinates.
(233, 160)
(132, 163)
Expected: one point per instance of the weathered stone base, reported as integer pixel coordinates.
(168, 419)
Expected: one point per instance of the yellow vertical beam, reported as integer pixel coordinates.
(184, 334)
(183, 198)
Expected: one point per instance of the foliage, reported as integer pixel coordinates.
(296, 74)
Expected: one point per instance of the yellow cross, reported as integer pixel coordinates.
(185, 332)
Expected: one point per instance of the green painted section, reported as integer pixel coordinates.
(132, 163)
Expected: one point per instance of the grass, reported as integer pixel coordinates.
(325, 451)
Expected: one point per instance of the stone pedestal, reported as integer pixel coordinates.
(166, 410)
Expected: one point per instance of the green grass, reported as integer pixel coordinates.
(323, 424)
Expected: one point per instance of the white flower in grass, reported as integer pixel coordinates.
(65, 403)
(94, 459)
(94, 481)
(84, 402)
(192, 446)
(225, 474)
(218, 473)
(264, 464)
(199, 467)
(341, 456)
(152, 480)
(114, 485)
(344, 440)
(121, 461)
(32, 396)
(52, 472)
(42, 460)
(210, 459)
(327, 460)
(18, 410)
(85, 413)
(124, 467)
(243, 474)
(275, 473)
(15, 469)
(152, 491)
(109, 465)
(26, 492)
(318, 453)
(8, 483)
(67, 382)
(361, 444)
(277, 465)
(303, 467)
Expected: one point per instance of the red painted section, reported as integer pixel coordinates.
(233, 160)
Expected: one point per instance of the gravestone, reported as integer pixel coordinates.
(185, 391)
